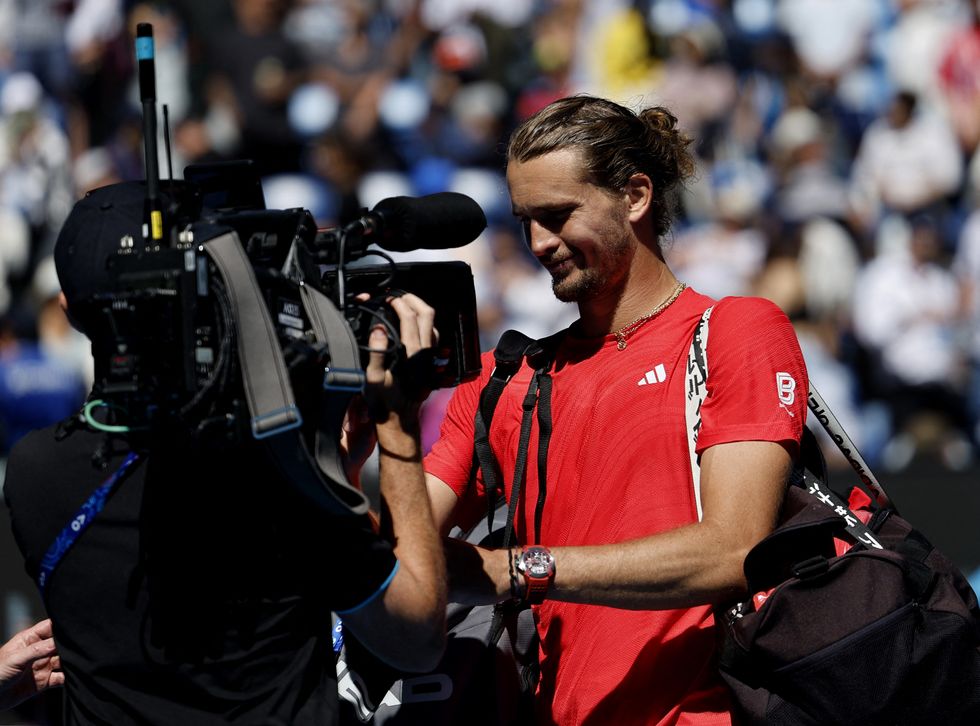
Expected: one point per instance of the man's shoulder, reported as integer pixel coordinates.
(48, 458)
(54, 440)
(752, 325)
(43, 484)
(747, 304)
(34, 447)
(743, 312)
(729, 311)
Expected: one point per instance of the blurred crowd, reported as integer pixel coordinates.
(837, 143)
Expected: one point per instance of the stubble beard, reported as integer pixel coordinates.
(578, 290)
(581, 285)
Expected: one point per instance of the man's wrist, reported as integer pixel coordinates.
(399, 440)
(535, 565)
(516, 583)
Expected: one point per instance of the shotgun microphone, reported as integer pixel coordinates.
(432, 222)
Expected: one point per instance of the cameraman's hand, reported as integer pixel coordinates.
(395, 390)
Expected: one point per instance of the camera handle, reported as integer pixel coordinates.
(276, 420)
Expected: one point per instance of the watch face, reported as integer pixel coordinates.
(538, 562)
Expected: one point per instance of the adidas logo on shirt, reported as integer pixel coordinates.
(657, 375)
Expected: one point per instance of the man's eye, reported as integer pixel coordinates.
(554, 220)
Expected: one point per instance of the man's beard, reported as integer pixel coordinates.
(583, 288)
(593, 281)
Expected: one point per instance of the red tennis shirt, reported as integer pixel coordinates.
(618, 469)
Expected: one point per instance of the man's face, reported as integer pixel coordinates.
(579, 232)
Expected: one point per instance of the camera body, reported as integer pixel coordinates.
(164, 329)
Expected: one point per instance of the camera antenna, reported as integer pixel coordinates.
(153, 216)
(166, 143)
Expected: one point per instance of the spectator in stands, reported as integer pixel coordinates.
(36, 387)
(907, 161)
(966, 266)
(723, 255)
(255, 69)
(905, 313)
(35, 166)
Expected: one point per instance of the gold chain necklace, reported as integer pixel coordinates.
(627, 330)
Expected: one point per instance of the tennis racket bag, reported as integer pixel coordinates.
(878, 630)
(854, 617)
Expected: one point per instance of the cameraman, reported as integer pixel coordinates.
(202, 590)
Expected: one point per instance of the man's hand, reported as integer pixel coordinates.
(389, 390)
(395, 390)
(29, 664)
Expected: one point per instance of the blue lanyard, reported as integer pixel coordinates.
(81, 521)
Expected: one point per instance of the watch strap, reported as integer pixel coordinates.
(535, 588)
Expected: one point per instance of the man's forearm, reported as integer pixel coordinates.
(417, 597)
(406, 513)
(742, 488)
(668, 570)
(406, 627)
(693, 565)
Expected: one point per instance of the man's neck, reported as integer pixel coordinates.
(642, 293)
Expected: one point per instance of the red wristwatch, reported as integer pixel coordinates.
(537, 564)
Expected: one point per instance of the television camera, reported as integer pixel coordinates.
(226, 320)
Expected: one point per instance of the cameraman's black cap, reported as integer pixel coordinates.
(90, 237)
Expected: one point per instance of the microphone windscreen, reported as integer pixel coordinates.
(432, 222)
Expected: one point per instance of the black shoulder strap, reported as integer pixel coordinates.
(508, 357)
(514, 347)
(512, 350)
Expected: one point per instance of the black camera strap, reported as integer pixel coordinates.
(264, 373)
(343, 378)
(276, 420)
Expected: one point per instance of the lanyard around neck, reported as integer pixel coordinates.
(81, 520)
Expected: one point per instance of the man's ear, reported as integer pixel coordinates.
(63, 304)
(639, 192)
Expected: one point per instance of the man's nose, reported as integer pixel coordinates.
(540, 239)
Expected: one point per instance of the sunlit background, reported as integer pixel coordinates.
(836, 143)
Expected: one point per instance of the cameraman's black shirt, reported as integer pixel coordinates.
(201, 594)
